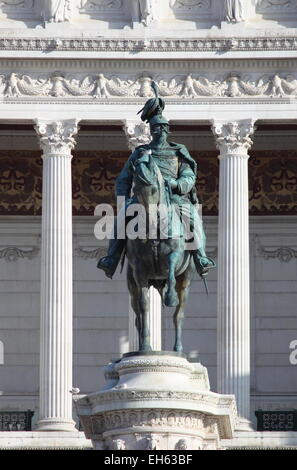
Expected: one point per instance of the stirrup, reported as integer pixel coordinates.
(201, 269)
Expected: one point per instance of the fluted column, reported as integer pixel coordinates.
(55, 409)
(233, 329)
(139, 134)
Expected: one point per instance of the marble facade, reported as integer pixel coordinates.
(65, 65)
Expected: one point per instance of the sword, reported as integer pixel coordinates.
(205, 284)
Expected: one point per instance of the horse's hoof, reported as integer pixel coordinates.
(178, 349)
(171, 300)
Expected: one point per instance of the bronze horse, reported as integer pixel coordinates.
(159, 262)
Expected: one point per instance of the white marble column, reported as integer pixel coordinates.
(233, 341)
(55, 410)
(139, 134)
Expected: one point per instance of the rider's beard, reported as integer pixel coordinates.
(160, 138)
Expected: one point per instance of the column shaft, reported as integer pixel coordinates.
(155, 322)
(55, 412)
(233, 334)
(233, 282)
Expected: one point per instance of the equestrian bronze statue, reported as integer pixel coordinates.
(161, 178)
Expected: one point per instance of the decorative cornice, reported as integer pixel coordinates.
(271, 43)
(57, 137)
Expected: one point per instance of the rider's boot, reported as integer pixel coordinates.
(110, 262)
(203, 263)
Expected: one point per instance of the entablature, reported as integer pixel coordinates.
(153, 17)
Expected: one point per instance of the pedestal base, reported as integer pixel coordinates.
(157, 402)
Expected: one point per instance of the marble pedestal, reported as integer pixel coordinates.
(157, 401)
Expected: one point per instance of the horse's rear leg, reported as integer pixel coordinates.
(183, 283)
(134, 294)
(171, 296)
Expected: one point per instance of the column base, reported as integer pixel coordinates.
(244, 425)
(55, 424)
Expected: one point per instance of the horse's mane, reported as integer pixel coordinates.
(147, 172)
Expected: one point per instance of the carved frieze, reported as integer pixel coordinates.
(107, 86)
(150, 418)
(272, 42)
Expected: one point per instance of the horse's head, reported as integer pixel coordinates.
(147, 183)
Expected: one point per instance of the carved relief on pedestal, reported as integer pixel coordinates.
(181, 445)
(118, 444)
(152, 442)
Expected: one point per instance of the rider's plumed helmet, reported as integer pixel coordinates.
(153, 108)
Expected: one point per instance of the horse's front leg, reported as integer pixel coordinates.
(144, 340)
(142, 301)
(171, 297)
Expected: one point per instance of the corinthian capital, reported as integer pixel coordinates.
(233, 137)
(57, 136)
(136, 133)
